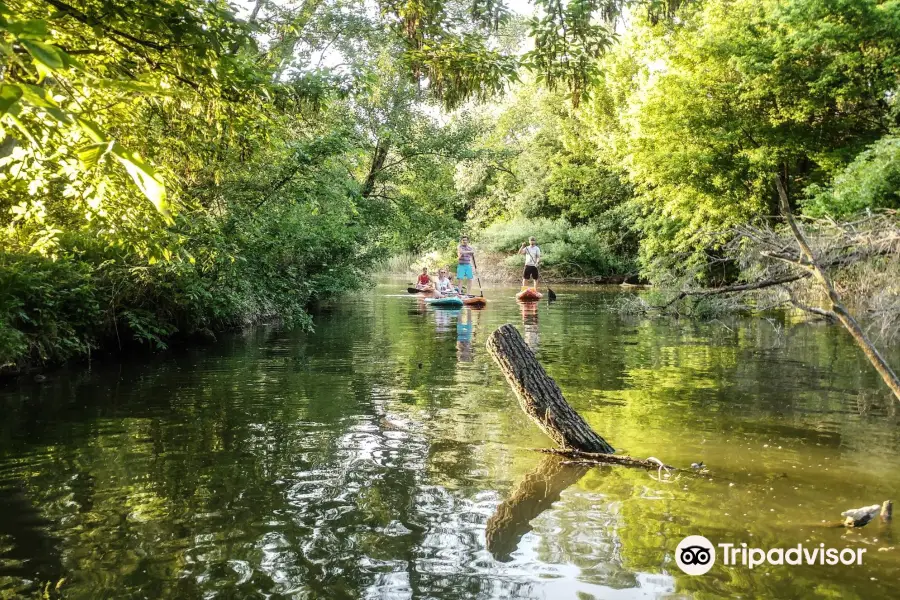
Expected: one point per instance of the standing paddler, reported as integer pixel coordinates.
(465, 255)
(532, 254)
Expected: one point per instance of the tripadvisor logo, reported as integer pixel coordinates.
(696, 555)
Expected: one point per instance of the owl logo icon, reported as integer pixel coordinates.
(695, 555)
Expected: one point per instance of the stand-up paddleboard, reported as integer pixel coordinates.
(529, 295)
(475, 301)
(450, 302)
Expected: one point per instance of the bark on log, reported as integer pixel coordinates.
(538, 394)
(533, 495)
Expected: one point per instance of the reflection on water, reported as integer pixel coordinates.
(383, 456)
(537, 492)
(465, 332)
(531, 331)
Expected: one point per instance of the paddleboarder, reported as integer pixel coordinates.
(465, 255)
(423, 283)
(532, 254)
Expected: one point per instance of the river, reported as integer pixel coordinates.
(384, 456)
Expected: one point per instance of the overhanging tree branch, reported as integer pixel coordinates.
(838, 309)
(744, 287)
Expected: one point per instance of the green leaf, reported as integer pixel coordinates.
(37, 96)
(61, 116)
(13, 115)
(11, 54)
(91, 154)
(92, 130)
(145, 177)
(28, 29)
(9, 95)
(47, 58)
(71, 62)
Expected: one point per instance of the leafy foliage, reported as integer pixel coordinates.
(537, 163)
(568, 40)
(183, 175)
(702, 115)
(185, 167)
(870, 182)
(568, 251)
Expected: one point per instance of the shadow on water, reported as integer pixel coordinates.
(27, 551)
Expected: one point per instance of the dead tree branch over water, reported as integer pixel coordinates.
(809, 261)
(539, 396)
(821, 267)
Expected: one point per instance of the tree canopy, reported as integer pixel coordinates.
(199, 163)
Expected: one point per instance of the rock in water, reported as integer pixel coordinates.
(205, 336)
(857, 517)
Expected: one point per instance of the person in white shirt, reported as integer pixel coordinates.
(532, 254)
(443, 285)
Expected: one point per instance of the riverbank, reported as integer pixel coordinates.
(85, 303)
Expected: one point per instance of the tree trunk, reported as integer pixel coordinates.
(535, 493)
(255, 12)
(378, 158)
(538, 394)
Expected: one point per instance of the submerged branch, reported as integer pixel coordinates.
(579, 457)
(733, 289)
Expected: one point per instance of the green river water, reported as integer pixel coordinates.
(384, 456)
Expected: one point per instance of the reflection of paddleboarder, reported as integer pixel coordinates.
(530, 323)
(464, 334)
(443, 318)
(421, 308)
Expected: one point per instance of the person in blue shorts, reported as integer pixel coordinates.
(466, 256)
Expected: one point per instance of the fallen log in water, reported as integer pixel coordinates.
(542, 400)
(539, 396)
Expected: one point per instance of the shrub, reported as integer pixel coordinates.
(568, 250)
(267, 265)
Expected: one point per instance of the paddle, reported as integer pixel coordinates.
(477, 278)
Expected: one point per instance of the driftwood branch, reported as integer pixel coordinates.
(788, 257)
(743, 287)
(578, 457)
(539, 396)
